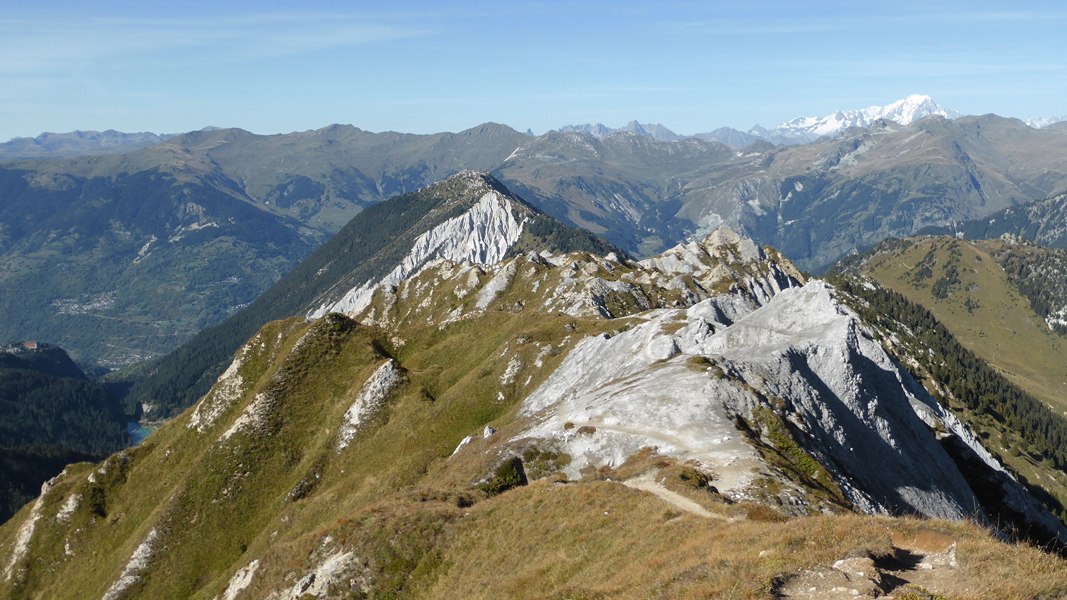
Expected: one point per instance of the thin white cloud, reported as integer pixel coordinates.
(282, 43)
(503, 97)
(739, 27)
(807, 22)
(28, 46)
(937, 69)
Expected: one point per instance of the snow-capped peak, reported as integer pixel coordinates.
(806, 129)
(1040, 122)
(907, 110)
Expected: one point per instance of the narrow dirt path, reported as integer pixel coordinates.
(647, 483)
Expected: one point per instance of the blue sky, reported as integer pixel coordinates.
(422, 67)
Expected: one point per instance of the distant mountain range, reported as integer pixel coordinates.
(121, 257)
(814, 201)
(807, 129)
(800, 130)
(78, 143)
(803, 130)
(1039, 122)
(653, 130)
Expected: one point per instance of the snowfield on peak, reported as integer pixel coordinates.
(482, 235)
(807, 129)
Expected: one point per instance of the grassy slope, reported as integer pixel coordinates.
(412, 515)
(1002, 329)
(453, 380)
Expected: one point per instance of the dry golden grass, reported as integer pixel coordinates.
(601, 539)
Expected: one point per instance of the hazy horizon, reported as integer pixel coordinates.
(432, 67)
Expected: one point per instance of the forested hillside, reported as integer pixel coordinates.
(50, 415)
(119, 269)
(1040, 274)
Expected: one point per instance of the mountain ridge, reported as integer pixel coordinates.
(352, 452)
(816, 202)
(376, 243)
(1040, 221)
(655, 131)
(755, 279)
(78, 143)
(799, 130)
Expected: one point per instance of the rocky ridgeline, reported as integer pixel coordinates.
(718, 331)
(580, 284)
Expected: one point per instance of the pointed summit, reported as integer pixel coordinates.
(465, 185)
(469, 217)
(489, 222)
(477, 221)
(635, 127)
(908, 110)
